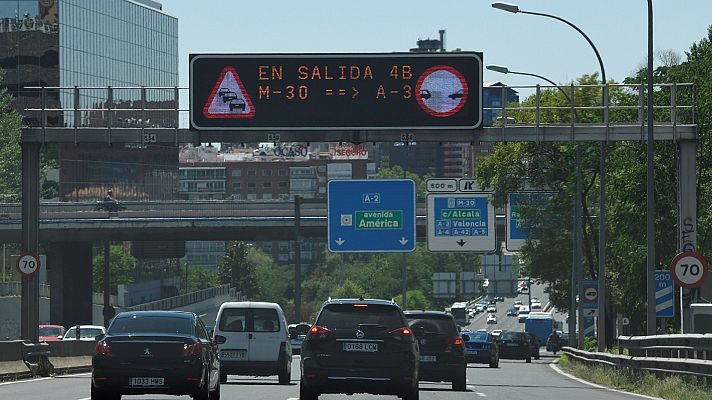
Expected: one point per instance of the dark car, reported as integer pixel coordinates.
(227, 95)
(515, 346)
(534, 345)
(480, 347)
(148, 352)
(442, 349)
(512, 312)
(359, 346)
(237, 103)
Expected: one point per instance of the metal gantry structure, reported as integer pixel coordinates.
(83, 128)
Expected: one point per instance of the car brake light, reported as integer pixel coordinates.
(192, 349)
(361, 305)
(318, 330)
(458, 342)
(103, 349)
(401, 332)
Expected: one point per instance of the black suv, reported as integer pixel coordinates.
(359, 346)
(442, 349)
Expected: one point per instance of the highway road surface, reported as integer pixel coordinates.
(513, 380)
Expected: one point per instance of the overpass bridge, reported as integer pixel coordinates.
(176, 220)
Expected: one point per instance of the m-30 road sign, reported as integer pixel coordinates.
(336, 91)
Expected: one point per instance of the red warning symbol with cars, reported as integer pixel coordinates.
(229, 99)
(441, 91)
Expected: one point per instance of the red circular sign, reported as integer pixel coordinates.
(27, 264)
(441, 91)
(689, 269)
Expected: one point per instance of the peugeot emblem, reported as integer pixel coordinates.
(360, 334)
(146, 351)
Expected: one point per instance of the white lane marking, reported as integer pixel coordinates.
(471, 387)
(85, 398)
(557, 369)
(480, 394)
(202, 315)
(293, 398)
(41, 379)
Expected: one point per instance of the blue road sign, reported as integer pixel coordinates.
(517, 229)
(371, 215)
(664, 294)
(590, 294)
(589, 327)
(461, 222)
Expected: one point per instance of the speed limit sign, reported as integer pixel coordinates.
(28, 264)
(689, 269)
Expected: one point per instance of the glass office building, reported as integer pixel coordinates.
(118, 43)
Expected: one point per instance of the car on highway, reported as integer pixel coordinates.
(496, 332)
(517, 304)
(492, 309)
(481, 307)
(499, 298)
(535, 303)
(359, 346)
(523, 313)
(51, 333)
(514, 345)
(297, 334)
(256, 340)
(155, 352)
(87, 333)
(491, 319)
(442, 348)
(512, 312)
(480, 347)
(534, 344)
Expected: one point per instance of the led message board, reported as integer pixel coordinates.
(336, 91)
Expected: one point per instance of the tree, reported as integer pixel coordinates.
(237, 270)
(10, 151)
(416, 300)
(349, 290)
(121, 269)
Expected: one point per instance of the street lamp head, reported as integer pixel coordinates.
(498, 68)
(513, 8)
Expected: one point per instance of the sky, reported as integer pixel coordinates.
(522, 42)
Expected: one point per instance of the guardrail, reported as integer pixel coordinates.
(660, 354)
(188, 298)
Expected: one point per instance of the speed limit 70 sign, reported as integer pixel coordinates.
(28, 264)
(689, 269)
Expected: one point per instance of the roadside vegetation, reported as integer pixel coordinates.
(669, 388)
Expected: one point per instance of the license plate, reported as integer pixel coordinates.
(512, 344)
(428, 358)
(472, 351)
(363, 347)
(143, 381)
(233, 354)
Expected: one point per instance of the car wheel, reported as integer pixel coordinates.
(529, 358)
(459, 384)
(97, 394)
(306, 393)
(223, 377)
(285, 376)
(537, 356)
(203, 393)
(494, 364)
(215, 395)
(413, 394)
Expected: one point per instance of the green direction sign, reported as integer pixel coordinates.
(385, 219)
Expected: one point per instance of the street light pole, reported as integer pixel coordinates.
(650, 206)
(602, 193)
(576, 227)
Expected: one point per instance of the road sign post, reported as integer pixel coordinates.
(689, 269)
(589, 302)
(461, 222)
(664, 294)
(335, 91)
(371, 215)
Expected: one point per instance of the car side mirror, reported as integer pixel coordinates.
(465, 338)
(99, 337)
(220, 339)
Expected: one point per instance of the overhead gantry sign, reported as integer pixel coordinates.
(406, 91)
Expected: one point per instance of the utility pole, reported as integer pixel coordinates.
(297, 259)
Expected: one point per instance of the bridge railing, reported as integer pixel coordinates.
(662, 354)
(174, 302)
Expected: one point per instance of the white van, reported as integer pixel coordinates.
(256, 340)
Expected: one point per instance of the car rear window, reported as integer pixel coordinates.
(433, 324)
(477, 335)
(349, 316)
(513, 336)
(265, 320)
(84, 332)
(48, 331)
(151, 324)
(233, 320)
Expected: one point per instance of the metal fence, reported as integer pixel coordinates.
(689, 355)
(188, 298)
